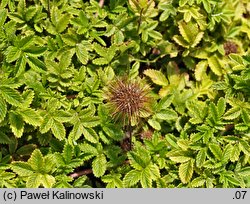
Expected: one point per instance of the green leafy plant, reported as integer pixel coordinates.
(124, 94)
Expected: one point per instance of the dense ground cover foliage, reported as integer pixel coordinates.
(137, 93)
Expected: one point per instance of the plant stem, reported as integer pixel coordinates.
(81, 173)
(130, 134)
(48, 9)
(139, 21)
(101, 3)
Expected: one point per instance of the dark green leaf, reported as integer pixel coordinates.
(26, 149)
(4, 139)
(16, 124)
(67, 153)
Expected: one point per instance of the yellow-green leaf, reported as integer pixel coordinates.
(11, 96)
(200, 158)
(186, 171)
(180, 159)
(154, 124)
(3, 109)
(47, 180)
(157, 77)
(58, 130)
(82, 53)
(245, 147)
(34, 180)
(16, 124)
(22, 168)
(216, 150)
(99, 165)
(131, 178)
(235, 153)
(197, 182)
(189, 31)
(36, 160)
(30, 116)
(200, 69)
(215, 65)
(146, 180)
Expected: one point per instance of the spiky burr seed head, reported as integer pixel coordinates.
(146, 134)
(230, 47)
(128, 99)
